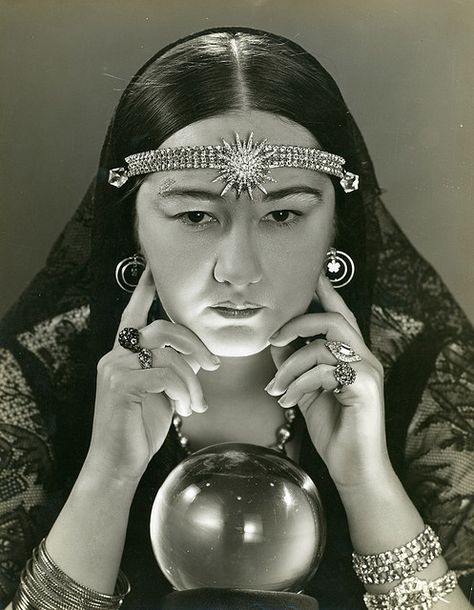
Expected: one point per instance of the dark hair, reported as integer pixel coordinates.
(207, 74)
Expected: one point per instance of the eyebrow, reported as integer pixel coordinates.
(200, 194)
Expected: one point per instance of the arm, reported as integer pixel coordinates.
(132, 417)
(348, 431)
(96, 512)
(87, 539)
(439, 466)
(381, 516)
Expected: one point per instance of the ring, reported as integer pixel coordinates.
(145, 357)
(342, 352)
(344, 375)
(129, 338)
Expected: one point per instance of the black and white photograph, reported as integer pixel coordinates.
(236, 324)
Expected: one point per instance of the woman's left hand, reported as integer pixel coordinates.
(346, 428)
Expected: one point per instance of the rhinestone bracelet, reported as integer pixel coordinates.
(399, 562)
(44, 586)
(413, 594)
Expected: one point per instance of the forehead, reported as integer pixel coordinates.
(211, 131)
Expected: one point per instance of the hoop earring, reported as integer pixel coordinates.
(128, 272)
(340, 267)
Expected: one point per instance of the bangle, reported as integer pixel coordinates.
(400, 562)
(44, 586)
(413, 594)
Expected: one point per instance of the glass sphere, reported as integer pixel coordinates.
(238, 516)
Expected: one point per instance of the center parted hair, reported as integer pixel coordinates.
(206, 75)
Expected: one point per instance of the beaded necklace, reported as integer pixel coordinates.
(283, 433)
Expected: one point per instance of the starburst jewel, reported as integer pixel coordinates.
(244, 165)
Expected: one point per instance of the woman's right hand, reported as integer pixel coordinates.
(134, 406)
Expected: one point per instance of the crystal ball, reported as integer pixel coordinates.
(238, 516)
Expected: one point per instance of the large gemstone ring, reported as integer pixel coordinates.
(342, 352)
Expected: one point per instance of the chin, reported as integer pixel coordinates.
(235, 347)
(239, 351)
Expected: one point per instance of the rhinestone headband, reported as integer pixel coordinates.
(244, 165)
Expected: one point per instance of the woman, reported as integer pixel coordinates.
(78, 434)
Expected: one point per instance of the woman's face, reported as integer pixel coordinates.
(204, 249)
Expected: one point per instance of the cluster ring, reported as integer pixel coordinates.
(344, 375)
(145, 357)
(129, 338)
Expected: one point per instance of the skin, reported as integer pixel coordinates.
(238, 250)
(237, 255)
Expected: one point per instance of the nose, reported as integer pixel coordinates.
(237, 257)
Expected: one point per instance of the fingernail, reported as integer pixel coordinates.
(275, 392)
(278, 340)
(211, 366)
(274, 336)
(270, 389)
(270, 385)
(215, 359)
(286, 402)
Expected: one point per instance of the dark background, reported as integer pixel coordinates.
(405, 68)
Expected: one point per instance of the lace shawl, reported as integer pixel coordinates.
(417, 331)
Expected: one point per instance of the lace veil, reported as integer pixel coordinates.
(391, 276)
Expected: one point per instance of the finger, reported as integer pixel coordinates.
(307, 400)
(333, 325)
(321, 377)
(297, 363)
(168, 357)
(139, 383)
(161, 333)
(332, 301)
(362, 392)
(194, 364)
(135, 313)
(182, 408)
(280, 354)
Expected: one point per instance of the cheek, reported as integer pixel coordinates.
(297, 264)
(179, 272)
(295, 281)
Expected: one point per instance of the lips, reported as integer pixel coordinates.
(238, 306)
(232, 313)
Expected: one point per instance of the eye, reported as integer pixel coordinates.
(280, 218)
(194, 218)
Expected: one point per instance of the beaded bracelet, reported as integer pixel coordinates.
(399, 562)
(44, 586)
(413, 594)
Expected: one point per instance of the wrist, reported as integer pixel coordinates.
(380, 514)
(379, 487)
(97, 473)
(370, 477)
